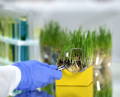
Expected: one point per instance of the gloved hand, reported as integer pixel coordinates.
(34, 93)
(35, 74)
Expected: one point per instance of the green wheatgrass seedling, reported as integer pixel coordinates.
(103, 47)
(80, 49)
(94, 46)
(71, 54)
(52, 39)
(2, 26)
(53, 36)
(84, 41)
(89, 48)
(104, 92)
(104, 41)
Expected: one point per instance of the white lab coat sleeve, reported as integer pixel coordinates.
(10, 77)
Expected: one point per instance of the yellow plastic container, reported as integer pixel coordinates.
(75, 84)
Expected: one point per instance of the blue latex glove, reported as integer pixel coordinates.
(35, 74)
(34, 93)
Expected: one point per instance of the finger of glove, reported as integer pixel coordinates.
(37, 62)
(51, 81)
(43, 85)
(53, 67)
(56, 74)
(44, 64)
